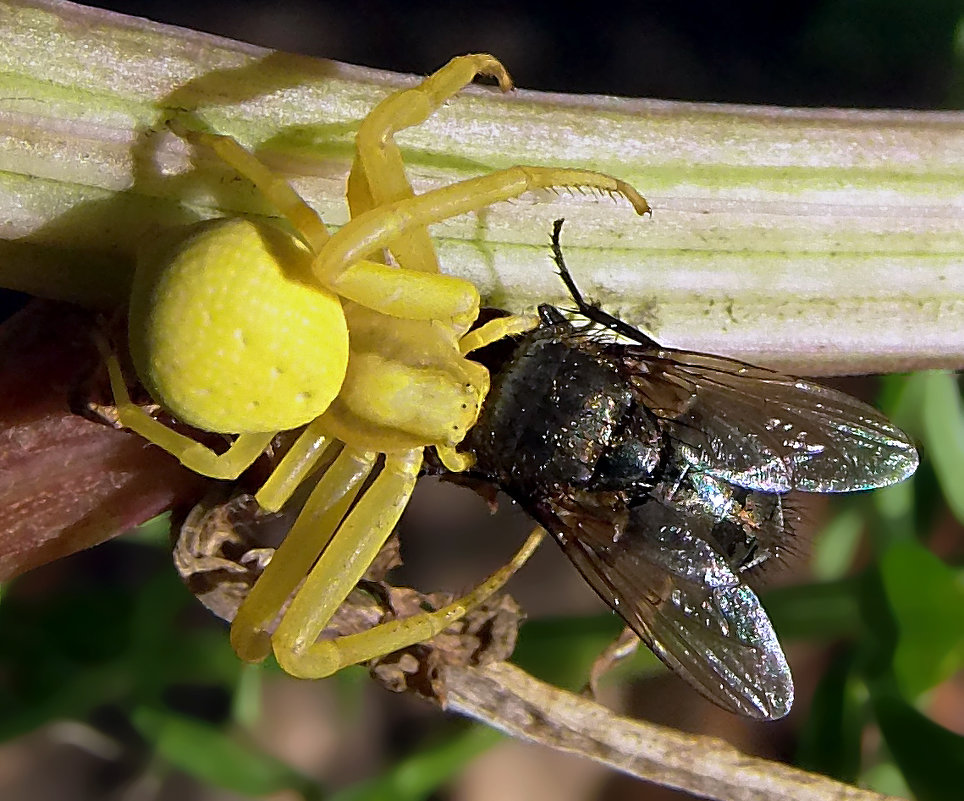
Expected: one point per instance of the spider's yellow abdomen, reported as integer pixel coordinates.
(229, 333)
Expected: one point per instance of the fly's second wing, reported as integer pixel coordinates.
(682, 599)
(764, 430)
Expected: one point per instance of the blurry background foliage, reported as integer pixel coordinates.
(114, 680)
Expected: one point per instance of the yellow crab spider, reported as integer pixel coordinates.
(243, 328)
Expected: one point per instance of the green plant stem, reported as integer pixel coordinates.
(821, 241)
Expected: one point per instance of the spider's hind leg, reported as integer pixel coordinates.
(194, 455)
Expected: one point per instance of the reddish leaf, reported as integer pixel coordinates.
(67, 483)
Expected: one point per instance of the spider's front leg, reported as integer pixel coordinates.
(342, 565)
(378, 175)
(325, 657)
(311, 533)
(349, 550)
(413, 294)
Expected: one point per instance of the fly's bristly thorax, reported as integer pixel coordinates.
(560, 415)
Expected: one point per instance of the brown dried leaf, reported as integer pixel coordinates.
(219, 551)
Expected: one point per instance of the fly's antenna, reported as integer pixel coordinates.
(590, 310)
(564, 273)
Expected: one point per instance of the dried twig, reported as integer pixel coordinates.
(505, 697)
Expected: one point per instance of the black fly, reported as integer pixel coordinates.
(662, 474)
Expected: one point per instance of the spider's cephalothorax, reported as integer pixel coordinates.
(241, 328)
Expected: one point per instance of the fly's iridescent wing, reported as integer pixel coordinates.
(657, 569)
(753, 427)
(766, 431)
